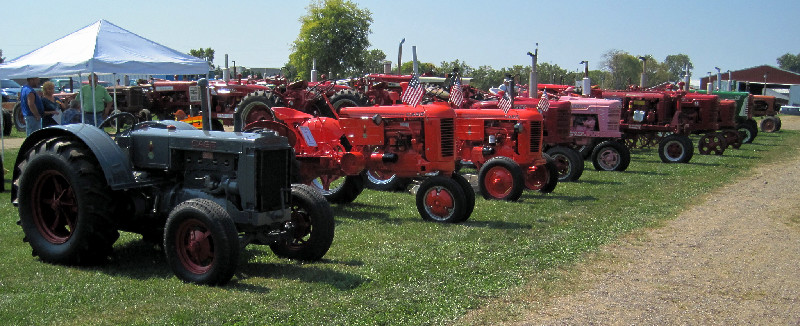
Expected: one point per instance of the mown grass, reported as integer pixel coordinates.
(386, 265)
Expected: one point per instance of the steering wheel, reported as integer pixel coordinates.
(122, 123)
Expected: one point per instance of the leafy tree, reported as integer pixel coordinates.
(676, 65)
(790, 62)
(624, 68)
(424, 67)
(372, 62)
(334, 32)
(2, 59)
(206, 54)
(447, 67)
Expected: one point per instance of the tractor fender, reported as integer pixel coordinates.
(113, 160)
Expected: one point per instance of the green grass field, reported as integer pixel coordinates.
(386, 265)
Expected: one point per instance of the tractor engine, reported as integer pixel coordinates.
(403, 140)
(248, 174)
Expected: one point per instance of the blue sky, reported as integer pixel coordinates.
(731, 34)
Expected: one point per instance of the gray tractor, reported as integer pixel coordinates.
(204, 195)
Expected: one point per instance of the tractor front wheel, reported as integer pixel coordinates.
(201, 242)
(749, 129)
(611, 155)
(675, 148)
(313, 226)
(712, 143)
(441, 199)
(469, 192)
(545, 178)
(65, 203)
(769, 124)
(568, 161)
(733, 138)
(501, 178)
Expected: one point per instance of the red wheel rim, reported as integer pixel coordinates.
(55, 209)
(608, 159)
(439, 202)
(562, 164)
(536, 178)
(195, 246)
(498, 182)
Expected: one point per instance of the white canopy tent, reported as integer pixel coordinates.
(102, 48)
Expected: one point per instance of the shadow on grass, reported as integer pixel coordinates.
(594, 182)
(498, 225)
(362, 211)
(703, 164)
(645, 172)
(535, 196)
(304, 272)
(141, 260)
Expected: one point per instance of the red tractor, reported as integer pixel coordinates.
(667, 119)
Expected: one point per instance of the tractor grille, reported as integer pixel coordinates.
(273, 169)
(536, 136)
(613, 121)
(448, 140)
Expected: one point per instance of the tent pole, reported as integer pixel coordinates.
(83, 119)
(116, 85)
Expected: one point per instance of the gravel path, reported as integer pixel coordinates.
(732, 260)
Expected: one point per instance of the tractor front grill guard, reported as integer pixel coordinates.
(448, 137)
(536, 136)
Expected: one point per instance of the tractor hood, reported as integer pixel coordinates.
(433, 110)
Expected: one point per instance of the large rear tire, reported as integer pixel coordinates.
(7, 123)
(201, 242)
(339, 190)
(314, 226)
(19, 119)
(258, 106)
(501, 178)
(769, 124)
(568, 161)
(65, 204)
(348, 98)
(611, 155)
(383, 182)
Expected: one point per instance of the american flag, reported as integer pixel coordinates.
(456, 93)
(414, 91)
(506, 102)
(544, 103)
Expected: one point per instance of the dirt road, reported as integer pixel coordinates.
(732, 260)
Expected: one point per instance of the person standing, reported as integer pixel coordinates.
(52, 105)
(32, 107)
(96, 108)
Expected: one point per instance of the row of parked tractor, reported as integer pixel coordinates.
(205, 194)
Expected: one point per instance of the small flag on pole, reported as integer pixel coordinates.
(414, 91)
(544, 102)
(456, 93)
(506, 102)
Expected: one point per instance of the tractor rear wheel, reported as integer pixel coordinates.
(611, 155)
(7, 122)
(469, 192)
(19, 119)
(750, 131)
(568, 161)
(769, 124)
(544, 179)
(377, 180)
(441, 199)
(258, 106)
(201, 242)
(713, 142)
(65, 204)
(348, 98)
(501, 178)
(339, 190)
(675, 148)
(313, 226)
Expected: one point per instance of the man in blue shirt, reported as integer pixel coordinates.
(32, 107)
